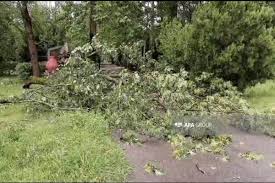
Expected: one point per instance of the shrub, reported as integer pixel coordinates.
(42, 68)
(7, 67)
(23, 70)
(233, 40)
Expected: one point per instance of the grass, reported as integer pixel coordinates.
(262, 99)
(262, 96)
(10, 86)
(64, 146)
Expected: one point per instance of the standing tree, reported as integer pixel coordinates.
(233, 40)
(31, 42)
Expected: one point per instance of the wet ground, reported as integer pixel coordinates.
(205, 167)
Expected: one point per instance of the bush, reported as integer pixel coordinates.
(7, 68)
(23, 70)
(42, 68)
(233, 40)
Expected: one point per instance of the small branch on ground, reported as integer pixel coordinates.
(199, 169)
(109, 78)
(5, 101)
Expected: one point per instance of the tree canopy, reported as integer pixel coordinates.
(233, 40)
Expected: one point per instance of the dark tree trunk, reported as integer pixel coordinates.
(31, 42)
(93, 26)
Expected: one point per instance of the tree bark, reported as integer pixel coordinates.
(31, 42)
(93, 26)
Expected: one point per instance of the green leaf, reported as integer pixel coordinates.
(251, 156)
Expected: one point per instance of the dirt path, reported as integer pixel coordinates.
(236, 170)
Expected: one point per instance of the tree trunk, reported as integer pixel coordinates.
(93, 26)
(31, 42)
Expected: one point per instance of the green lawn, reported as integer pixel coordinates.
(10, 86)
(71, 146)
(262, 96)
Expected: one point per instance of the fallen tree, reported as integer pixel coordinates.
(141, 101)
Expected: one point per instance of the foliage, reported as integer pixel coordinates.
(251, 156)
(187, 8)
(233, 40)
(7, 68)
(95, 48)
(121, 21)
(52, 26)
(143, 102)
(132, 55)
(168, 9)
(67, 22)
(23, 70)
(173, 38)
(58, 147)
(151, 99)
(130, 137)
(184, 147)
(11, 38)
(73, 87)
(152, 168)
(127, 55)
(42, 28)
(76, 23)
